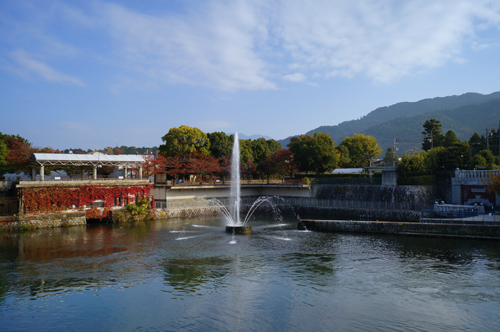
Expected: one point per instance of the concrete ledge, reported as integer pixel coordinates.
(78, 183)
(31, 222)
(403, 228)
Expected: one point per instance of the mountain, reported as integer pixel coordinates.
(252, 137)
(464, 114)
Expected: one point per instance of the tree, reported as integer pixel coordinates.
(279, 164)
(184, 140)
(414, 165)
(362, 149)
(477, 143)
(390, 158)
(485, 158)
(153, 166)
(432, 134)
(19, 150)
(260, 150)
(174, 167)
(479, 161)
(247, 164)
(314, 153)
(205, 167)
(456, 156)
(220, 144)
(3, 152)
(450, 138)
(343, 153)
(274, 146)
(494, 184)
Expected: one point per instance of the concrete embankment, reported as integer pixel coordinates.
(31, 222)
(315, 212)
(429, 228)
(188, 212)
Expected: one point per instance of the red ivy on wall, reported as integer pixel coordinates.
(57, 199)
(98, 213)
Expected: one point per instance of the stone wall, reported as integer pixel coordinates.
(356, 214)
(188, 212)
(415, 195)
(32, 222)
(402, 228)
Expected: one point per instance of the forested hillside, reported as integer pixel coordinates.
(464, 114)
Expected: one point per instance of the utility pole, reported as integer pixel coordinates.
(487, 139)
(394, 151)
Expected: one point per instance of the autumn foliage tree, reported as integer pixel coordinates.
(494, 184)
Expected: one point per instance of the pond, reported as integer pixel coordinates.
(190, 275)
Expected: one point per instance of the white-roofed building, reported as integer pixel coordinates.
(124, 161)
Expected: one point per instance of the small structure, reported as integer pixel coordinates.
(468, 187)
(389, 174)
(85, 160)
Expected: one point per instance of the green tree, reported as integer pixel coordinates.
(414, 165)
(487, 159)
(274, 146)
(314, 153)
(260, 150)
(479, 161)
(450, 138)
(246, 158)
(220, 144)
(432, 134)
(477, 143)
(435, 160)
(184, 140)
(456, 156)
(3, 152)
(343, 155)
(493, 141)
(390, 158)
(362, 149)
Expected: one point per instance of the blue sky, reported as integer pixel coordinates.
(95, 73)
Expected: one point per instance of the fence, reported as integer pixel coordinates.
(296, 201)
(348, 204)
(359, 180)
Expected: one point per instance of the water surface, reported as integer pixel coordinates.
(189, 275)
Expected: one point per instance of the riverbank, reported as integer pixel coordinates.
(462, 228)
(33, 222)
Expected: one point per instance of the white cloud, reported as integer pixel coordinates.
(295, 77)
(253, 44)
(29, 65)
(383, 40)
(214, 48)
(241, 44)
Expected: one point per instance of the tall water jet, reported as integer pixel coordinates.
(235, 194)
(236, 227)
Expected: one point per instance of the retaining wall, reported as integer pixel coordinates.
(415, 195)
(403, 228)
(44, 221)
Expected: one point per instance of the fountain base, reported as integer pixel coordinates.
(239, 229)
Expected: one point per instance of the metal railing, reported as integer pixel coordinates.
(296, 201)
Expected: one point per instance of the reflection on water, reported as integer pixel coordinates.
(176, 274)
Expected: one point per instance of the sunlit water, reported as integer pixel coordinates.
(190, 275)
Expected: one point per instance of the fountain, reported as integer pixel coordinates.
(232, 215)
(235, 225)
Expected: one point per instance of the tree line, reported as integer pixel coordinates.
(189, 151)
(443, 153)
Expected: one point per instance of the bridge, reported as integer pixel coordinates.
(168, 195)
